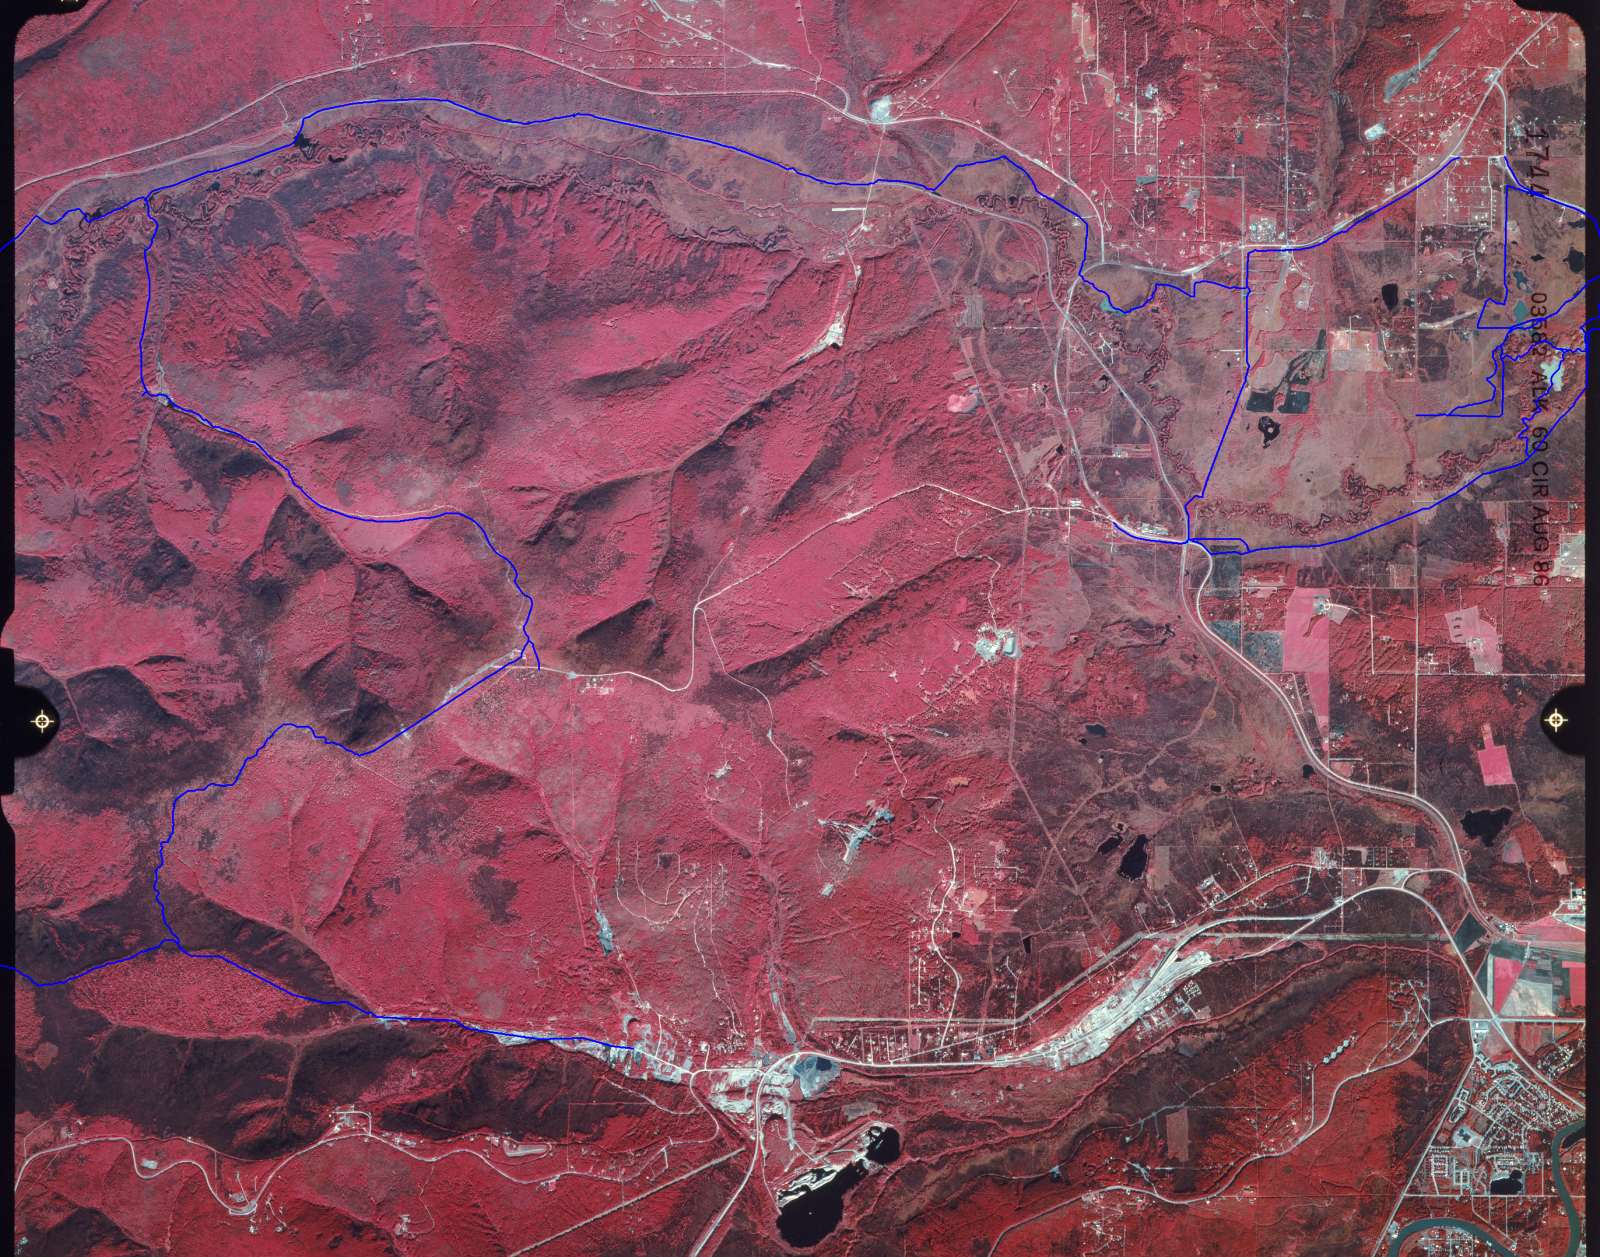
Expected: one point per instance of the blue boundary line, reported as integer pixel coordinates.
(1530, 446)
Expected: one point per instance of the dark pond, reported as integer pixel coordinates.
(1134, 859)
(1486, 823)
(883, 1144)
(1510, 1185)
(811, 1217)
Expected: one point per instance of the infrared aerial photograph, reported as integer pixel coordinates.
(737, 628)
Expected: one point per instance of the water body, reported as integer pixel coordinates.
(810, 1216)
(1134, 859)
(1485, 824)
(1567, 1135)
(1391, 295)
(1510, 1185)
(1564, 1136)
(883, 1145)
(814, 1073)
(1447, 1224)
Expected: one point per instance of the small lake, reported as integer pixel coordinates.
(809, 1217)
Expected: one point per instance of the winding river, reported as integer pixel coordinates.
(1574, 1223)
